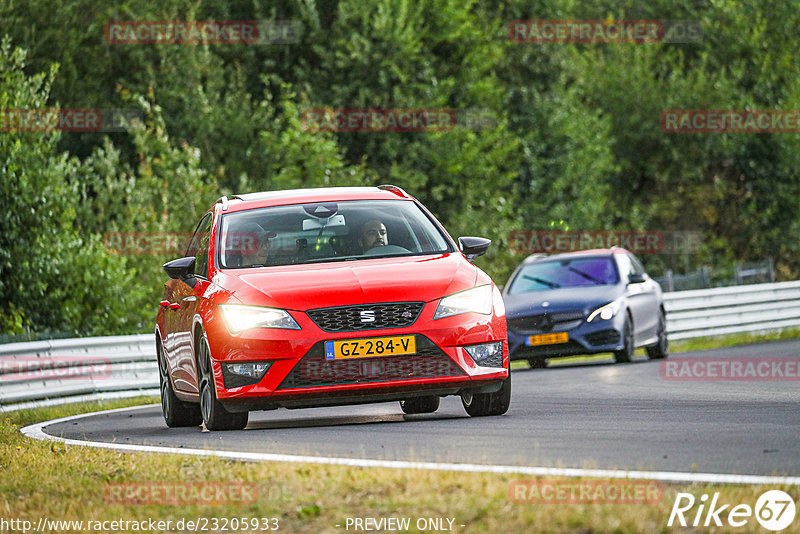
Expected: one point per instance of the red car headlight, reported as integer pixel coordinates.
(239, 317)
(477, 300)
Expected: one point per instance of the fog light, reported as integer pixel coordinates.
(252, 370)
(487, 354)
(243, 373)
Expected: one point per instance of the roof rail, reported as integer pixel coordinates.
(394, 189)
(536, 255)
(224, 201)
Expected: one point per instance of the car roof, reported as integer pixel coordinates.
(298, 196)
(535, 258)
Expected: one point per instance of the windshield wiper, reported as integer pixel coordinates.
(551, 285)
(331, 258)
(586, 275)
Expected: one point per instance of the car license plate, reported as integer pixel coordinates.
(548, 339)
(373, 347)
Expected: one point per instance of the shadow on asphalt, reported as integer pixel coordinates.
(345, 420)
(610, 361)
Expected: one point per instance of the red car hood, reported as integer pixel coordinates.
(305, 287)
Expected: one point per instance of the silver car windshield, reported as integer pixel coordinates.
(326, 231)
(575, 272)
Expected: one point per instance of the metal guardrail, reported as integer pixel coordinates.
(55, 368)
(732, 310)
(80, 368)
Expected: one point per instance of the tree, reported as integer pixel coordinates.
(52, 276)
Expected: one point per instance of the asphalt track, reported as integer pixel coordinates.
(593, 416)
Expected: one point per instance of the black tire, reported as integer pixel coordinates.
(661, 349)
(482, 404)
(537, 363)
(625, 354)
(215, 416)
(176, 412)
(428, 404)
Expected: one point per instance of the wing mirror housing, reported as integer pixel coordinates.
(181, 269)
(635, 278)
(472, 247)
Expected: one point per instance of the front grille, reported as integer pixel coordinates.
(351, 318)
(545, 322)
(603, 337)
(314, 370)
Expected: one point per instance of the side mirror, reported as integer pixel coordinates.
(181, 269)
(635, 278)
(472, 247)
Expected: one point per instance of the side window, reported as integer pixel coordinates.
(201, 258)
(198, 246)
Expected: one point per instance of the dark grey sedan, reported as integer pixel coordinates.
(585, 302)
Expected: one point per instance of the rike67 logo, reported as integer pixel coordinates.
(774, 510)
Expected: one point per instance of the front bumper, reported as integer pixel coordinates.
(300, 376)
(586, 338)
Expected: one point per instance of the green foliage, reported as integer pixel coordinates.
(52, 276)
(573, 137)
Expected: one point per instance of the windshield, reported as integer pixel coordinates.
(558, 274)
(327, 231)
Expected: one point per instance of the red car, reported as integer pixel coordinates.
(324, 297)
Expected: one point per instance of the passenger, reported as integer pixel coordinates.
(256, 253)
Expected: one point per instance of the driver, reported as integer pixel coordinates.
(372, 234)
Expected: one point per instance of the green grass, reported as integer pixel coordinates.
(47, 479)
(684, 345)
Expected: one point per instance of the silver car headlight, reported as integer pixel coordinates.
(605, 312)
(239, 317)
(477, 300)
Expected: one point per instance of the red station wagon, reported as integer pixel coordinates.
(324, 297)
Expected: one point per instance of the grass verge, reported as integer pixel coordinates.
(47, 479)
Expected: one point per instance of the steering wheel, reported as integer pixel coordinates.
(386, 249)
